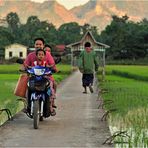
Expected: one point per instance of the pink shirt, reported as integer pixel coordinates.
(41, 63)
(31, 58)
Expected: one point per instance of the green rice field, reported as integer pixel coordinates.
(133, 72)
(129, 98)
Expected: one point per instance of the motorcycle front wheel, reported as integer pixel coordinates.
(36, 114)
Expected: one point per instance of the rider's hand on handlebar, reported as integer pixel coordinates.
(49, 66)
(22, 70)
(52, 68)
(29, 67)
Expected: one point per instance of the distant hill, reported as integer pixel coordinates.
(96, 12)
(99, 12)
(49, 10)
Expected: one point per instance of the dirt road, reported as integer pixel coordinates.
(77, 123)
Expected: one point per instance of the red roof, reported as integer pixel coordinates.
(60, 47)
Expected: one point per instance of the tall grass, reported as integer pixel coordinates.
(127, 95)
(130, 98)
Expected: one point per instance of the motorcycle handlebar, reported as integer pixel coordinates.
(24, 71)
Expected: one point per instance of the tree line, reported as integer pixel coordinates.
(127, 39)
(24, 34)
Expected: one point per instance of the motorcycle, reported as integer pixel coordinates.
(39, 93)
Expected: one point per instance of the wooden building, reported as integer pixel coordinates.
(88, 37)
(77, 47)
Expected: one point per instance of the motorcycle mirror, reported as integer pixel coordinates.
(20, 61)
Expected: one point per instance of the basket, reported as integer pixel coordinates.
(21, 86)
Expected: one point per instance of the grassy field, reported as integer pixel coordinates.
(129, 97)
(133, 72)
(8, 77)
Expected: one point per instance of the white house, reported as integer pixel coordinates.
(15, 50)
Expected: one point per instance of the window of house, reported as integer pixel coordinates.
(21, 54)
(10, 54)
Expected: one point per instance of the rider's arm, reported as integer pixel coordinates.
(50, 66)
(50, 61)
(29, 60)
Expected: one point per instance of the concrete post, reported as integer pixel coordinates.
(103, 71)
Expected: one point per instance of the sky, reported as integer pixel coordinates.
(67, 3)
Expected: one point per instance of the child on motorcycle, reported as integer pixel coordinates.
(40, 53)
(48, 48)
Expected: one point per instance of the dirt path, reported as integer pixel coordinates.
(77, 123)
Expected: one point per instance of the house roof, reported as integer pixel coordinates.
(88, 32)
(15, 44)
(60, 47)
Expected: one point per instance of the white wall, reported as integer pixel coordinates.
(15, 49)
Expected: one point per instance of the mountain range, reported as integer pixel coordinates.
(94, 12)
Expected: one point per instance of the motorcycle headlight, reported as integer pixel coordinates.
(39, 72)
